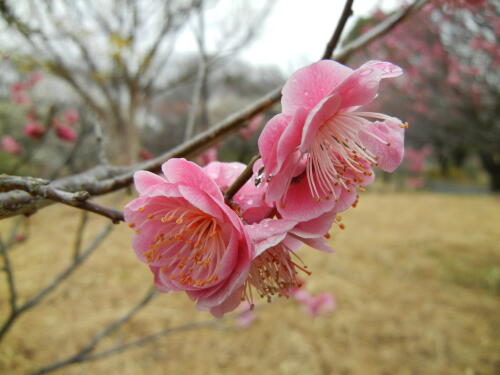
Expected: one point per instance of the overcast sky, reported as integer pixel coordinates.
(294, 34)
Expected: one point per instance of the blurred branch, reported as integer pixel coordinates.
(334, 41)
(16, 311)
(84, 218)
(198, 100)
(104, 179)
(155, 336)
(378, 30)
(11, 284)
(83, 354)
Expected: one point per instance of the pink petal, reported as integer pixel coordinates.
(318, 226)
(325, 109)
(361, 86)
(201, 200)
(188, 173)
(290, 138)
(278, 184)
(309, 85)
(224, 174)
(391, 149)
(229, 304)
(143, 180)
(318, 243)
(268, 233)
(299, 204)
(268, 141)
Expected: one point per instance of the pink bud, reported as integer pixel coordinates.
(65, 133)
(10, 145)
(34, 130)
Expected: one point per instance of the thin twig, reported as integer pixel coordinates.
(11, 284)
(33, 301)
(241, 179)
(334, 41)
(201, 78)
(81, 355)
(84, 218)
(155, 336)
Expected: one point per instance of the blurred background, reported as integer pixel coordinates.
(416, 277)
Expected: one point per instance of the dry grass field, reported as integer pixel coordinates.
(416, 278)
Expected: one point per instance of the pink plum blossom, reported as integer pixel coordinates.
(65, 133)
(320, 304)
(10, 145)
(276, 266)
(191, 240)
(34, 130)
(323, 143)
(416, 158)
(246, 315)
(251, 128)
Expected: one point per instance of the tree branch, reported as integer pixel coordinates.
(40, 188)
(241, 180)
(81, 355)
(33, 301)
(334, 41)
(104, 179)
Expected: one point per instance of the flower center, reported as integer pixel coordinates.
(274, 273)
(189, 245)
(337, 156)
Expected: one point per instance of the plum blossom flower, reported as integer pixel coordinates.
(10, 145)
(246, 315)
(251, 128)
(320, 304)
(323, 139)
(276, 266)
(191, 240)
(34, 130)
(65, 133)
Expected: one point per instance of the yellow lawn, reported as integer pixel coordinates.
(416, 278)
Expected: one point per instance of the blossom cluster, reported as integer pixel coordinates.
(34, 129)
(316, 155)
